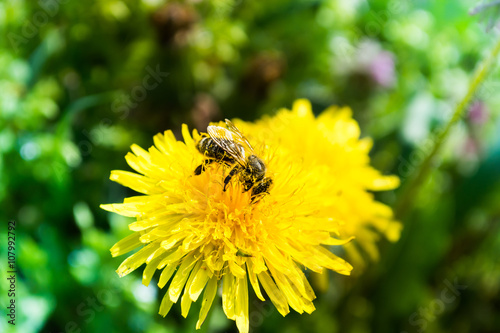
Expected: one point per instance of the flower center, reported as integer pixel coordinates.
(229, 217)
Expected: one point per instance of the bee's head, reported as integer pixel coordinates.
(257, 166)
(202, 143)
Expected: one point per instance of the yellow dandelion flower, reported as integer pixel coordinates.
(330, 147)
(203, 238)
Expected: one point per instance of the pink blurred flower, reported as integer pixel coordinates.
(382, 69)
(478, 113)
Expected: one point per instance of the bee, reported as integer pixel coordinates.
(230, 147)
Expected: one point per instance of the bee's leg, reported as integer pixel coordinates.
(261, 187)
(202, 167)
(233, 171)
(247, 185)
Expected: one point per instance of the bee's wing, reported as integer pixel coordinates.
(227, 141)
(239, 137)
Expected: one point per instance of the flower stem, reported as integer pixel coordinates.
(412, 187)
(481, 7)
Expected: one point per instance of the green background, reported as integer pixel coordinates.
(73, 99)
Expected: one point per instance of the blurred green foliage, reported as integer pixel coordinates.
(81, 81)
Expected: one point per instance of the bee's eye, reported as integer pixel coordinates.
(259, 165)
